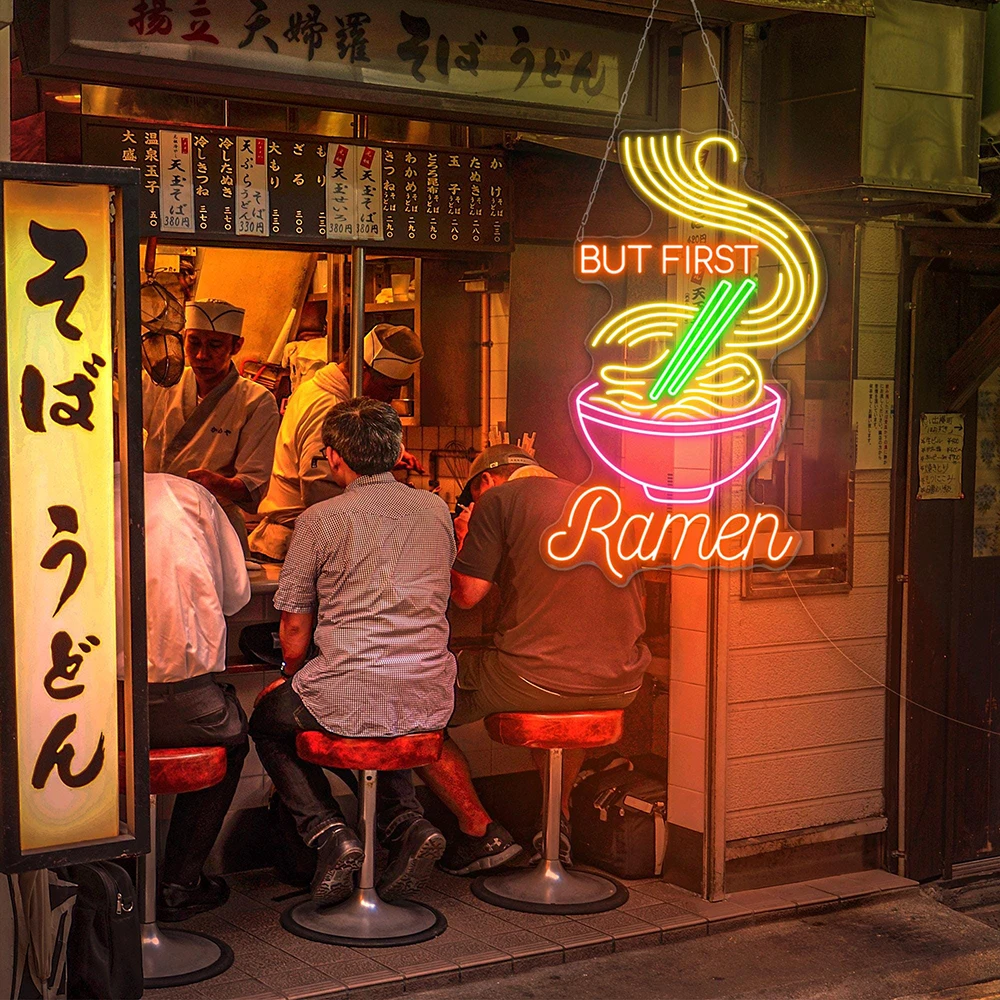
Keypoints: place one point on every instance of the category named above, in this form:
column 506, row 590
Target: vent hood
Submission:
column 881, row 110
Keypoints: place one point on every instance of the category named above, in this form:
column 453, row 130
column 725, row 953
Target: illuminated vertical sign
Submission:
column 688, row 376
column 57, row 251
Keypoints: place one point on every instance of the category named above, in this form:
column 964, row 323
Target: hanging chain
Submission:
column 617, row 121
column 715, row 70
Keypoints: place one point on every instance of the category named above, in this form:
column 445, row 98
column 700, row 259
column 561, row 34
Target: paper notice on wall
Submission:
column 939, row 459
column 341, row 192
column 251, row 187
column 874, row 422
column 176, row 186
column 368, row 178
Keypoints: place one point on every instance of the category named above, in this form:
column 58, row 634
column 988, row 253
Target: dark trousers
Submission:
column 304, row 787
column 197, row 713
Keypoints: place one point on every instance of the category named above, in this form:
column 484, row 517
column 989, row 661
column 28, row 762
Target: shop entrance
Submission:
column 949, row 586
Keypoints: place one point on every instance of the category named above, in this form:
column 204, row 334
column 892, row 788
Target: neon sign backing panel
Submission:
column 691, row 373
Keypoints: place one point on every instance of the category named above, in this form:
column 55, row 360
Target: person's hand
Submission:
column 461, row 524
column 216, row 484
column 409, row 463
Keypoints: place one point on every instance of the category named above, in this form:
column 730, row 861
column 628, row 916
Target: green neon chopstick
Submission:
column 709, row 308
column 715, row 317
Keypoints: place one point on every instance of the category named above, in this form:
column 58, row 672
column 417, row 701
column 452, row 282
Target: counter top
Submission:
column 265, row 579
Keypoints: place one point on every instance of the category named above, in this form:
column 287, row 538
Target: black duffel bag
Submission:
column 104, row 956
column 618, row 816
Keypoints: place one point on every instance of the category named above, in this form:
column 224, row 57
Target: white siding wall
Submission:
column 805, row 727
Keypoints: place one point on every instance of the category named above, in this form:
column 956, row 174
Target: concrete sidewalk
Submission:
column 906, row 945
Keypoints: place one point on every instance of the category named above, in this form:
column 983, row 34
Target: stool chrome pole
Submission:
column 548, row 887
column 365, row 920
column 172, row 957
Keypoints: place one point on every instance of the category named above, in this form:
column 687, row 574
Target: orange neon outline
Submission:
column 613, row 533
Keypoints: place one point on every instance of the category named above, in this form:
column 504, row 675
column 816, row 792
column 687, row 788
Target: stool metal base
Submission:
column 364, row 921
column 178, row 958
column 549, row 888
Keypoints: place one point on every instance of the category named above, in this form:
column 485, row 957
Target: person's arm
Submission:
column 296, row 597
column 235, row 581
column 479, row 553
column 255, row 455
column 223, row 488
column 295, row 632
column 468, row 591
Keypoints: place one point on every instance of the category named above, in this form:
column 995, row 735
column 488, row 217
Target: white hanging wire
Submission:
column 617, row 120
column 879, row 682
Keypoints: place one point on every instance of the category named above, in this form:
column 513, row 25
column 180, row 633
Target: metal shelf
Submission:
column 375, row 307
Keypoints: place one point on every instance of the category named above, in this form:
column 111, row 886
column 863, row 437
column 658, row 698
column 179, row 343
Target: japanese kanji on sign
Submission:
column 61, row 598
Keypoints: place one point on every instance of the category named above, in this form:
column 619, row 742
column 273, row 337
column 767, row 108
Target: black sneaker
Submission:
column 411, row 860
column 340, row 856
column 466, row 855
column 565, row 844
column 178, row 902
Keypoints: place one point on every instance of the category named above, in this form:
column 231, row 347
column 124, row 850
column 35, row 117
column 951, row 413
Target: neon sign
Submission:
column 686, row 376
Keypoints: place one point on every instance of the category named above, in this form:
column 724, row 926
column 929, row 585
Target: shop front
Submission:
column 450, row 192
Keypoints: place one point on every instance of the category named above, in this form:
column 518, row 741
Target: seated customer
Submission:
column 565, row 641
column 195, row 576
column 369, row 571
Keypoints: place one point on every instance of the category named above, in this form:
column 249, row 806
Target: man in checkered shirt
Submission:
column 367, row 579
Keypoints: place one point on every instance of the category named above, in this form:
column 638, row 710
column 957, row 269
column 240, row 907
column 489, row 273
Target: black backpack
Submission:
column 104, row 957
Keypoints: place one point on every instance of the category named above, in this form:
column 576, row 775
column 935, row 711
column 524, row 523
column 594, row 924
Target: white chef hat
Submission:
column 214, row 316
column 393, row 351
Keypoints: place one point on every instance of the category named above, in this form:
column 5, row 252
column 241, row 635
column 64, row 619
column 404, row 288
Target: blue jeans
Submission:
column 304, row 788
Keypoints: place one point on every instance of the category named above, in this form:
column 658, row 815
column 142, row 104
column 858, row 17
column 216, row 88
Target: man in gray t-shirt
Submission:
column 565, row 641
column 367, row 580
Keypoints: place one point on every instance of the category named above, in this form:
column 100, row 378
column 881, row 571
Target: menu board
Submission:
column 221, row 186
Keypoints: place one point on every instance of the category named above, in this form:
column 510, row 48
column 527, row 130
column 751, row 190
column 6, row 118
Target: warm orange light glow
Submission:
column 57, row 255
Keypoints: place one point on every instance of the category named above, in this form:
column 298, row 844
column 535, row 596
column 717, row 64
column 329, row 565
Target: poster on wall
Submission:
column 986, row 524
column 874, row 420
column 939, row 456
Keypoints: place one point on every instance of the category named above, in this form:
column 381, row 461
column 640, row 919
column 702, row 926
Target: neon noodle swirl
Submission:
column 729, row 379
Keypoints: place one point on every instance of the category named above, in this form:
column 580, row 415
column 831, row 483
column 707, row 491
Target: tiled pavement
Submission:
column 272, row 964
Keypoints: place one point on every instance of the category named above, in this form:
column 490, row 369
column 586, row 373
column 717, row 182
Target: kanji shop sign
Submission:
column 62, row 583
column 59, row 406
column 679, row 404
column 219, row 184
column 428, row 47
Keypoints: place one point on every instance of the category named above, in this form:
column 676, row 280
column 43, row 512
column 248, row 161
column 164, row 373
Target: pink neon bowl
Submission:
column 649, row 465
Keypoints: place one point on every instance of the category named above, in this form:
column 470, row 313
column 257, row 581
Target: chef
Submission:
column 301, row 474
column 213, row 426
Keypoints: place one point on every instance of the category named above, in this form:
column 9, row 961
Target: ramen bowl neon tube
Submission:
column 650, row 465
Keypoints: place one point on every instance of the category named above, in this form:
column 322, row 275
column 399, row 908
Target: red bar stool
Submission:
column 365, row 920
column 173, row 957
column 548, row 887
